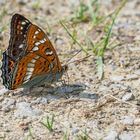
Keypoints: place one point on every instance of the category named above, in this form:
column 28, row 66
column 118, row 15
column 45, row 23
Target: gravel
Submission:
column 112, row 135
column 24, row 110
column 128, row 97
column 127, row 120
column 127, row 136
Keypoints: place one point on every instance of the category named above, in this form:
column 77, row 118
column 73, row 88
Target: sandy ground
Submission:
column 97, row 109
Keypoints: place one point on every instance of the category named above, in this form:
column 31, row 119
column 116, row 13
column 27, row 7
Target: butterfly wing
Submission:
column 34, row 69
column 17, row 44
column 33, row 56
column 7, row 68
column 16, row 49
column 39, row 44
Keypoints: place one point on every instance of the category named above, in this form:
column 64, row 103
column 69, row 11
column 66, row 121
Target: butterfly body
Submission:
column 30, row 59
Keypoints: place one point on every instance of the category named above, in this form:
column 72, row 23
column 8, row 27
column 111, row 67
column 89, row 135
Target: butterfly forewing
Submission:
column 17, row 45
column 39, row 43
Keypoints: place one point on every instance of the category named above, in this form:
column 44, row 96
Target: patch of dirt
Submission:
column 107, row 109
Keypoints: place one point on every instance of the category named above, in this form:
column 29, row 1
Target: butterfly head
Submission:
column 60, row 73
column 64, row 68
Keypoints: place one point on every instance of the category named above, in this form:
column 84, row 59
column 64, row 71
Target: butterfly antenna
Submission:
column 79, row 60
column 73, row 56
column 68, row 77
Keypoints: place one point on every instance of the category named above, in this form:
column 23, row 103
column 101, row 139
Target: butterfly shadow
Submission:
column 54, row 92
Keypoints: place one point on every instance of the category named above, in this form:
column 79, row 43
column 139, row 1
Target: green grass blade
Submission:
column 100, row 67
column 106, row 42
column 111, row 26
column 48, row 123
column 73, row 38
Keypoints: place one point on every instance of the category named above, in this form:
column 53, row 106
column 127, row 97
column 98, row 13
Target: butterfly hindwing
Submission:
column 8, row 66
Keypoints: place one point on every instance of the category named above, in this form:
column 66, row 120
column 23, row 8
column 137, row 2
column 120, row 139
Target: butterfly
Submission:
column 30, row 58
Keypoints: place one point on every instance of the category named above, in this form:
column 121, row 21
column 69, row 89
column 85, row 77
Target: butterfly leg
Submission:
column 64, row 89
column 25, row 91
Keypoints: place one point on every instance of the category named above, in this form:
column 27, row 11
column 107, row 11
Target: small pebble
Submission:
column 128, row 97
column 116, row 78
column 127, row 120
column 40, row 100
column 127, row 136
column 8, row 104
column 131, row 77
column 137, row 121
column 3, row 90
column 103, row 88
column 88, row 95
column 112, row 135
column 59, row 41
column 75, row 131
column 25, row 110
